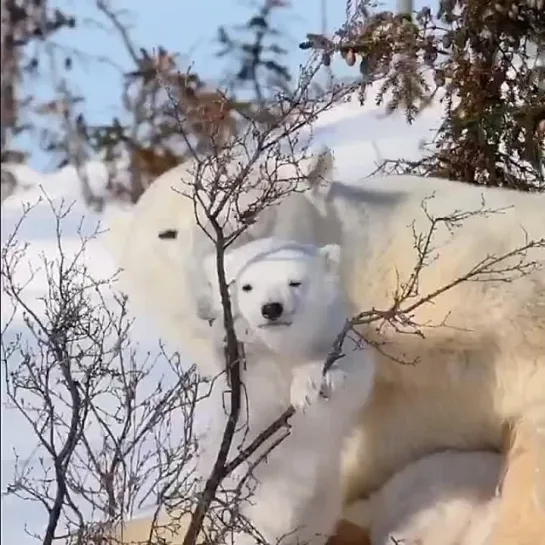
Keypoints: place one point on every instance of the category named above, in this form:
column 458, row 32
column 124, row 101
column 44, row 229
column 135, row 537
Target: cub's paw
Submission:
column 306, row 383
column 335, row 379
column 309, row 384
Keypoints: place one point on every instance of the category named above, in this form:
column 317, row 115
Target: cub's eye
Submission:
column 294, row 284
column 247, row 287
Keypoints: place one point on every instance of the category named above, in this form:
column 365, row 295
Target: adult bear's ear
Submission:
column 321, row 168
column 319, row 180
column 331, row 254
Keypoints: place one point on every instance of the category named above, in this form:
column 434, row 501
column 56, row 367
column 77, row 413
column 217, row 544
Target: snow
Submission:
column 57, row 184
column 360, row 138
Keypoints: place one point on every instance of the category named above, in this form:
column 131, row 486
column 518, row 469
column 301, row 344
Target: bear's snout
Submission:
column 272, row 311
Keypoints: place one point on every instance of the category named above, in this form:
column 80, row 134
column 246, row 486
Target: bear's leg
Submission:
column 298, row 496
column 521, row 519
column 276, row 510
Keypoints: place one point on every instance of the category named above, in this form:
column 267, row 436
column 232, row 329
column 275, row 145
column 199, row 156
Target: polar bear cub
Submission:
column 289, row 308
column 287, row 297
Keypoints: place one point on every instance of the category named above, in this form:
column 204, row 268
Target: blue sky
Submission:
column 188, row 27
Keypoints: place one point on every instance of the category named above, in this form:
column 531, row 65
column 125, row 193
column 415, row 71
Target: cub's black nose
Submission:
column 272, row 311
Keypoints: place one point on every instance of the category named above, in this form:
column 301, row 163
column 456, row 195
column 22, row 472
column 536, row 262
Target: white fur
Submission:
column 175, row 300
column 265, row 271
column 299, row 494
column 481, row 359
column 447, row 498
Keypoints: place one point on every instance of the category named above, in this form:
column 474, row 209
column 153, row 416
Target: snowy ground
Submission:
column 360, row 137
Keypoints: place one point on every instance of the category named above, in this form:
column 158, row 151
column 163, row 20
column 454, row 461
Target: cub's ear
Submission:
column 331, row 254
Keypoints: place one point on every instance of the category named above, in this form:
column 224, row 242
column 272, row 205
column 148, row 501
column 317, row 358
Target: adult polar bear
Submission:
column 481, row 359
